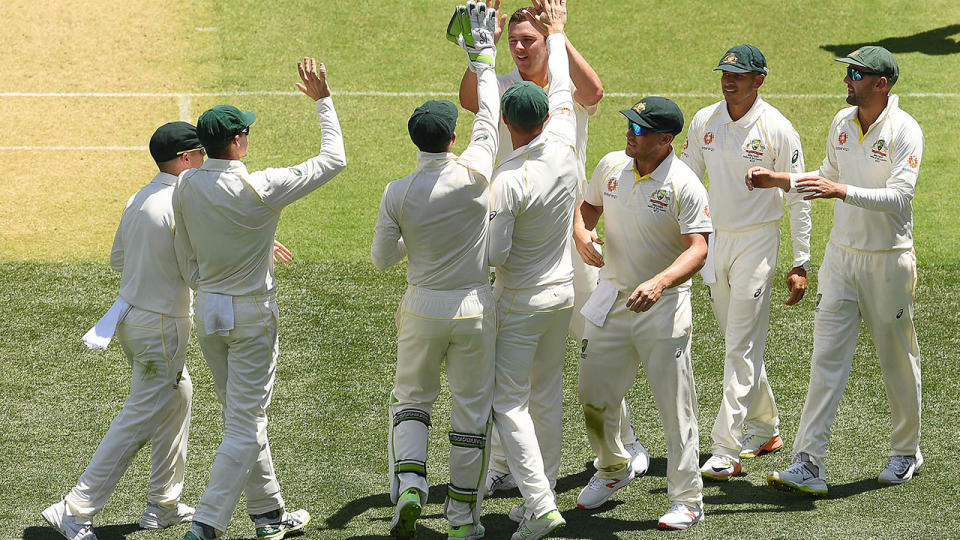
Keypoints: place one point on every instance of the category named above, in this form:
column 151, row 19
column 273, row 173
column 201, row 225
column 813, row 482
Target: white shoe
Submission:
column 900, row 469
column 639, row 457
column 720, row 468
column 159, row 517
column 680, row 517
column 599, row 489
column 541, row 527
column 499, row 481
column 517, row 513
column 65, row 523
column 278, row 523
column 757, row 445
column 802, row 476
column 465, row 532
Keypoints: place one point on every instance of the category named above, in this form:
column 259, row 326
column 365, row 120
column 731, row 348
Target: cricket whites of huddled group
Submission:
column 198, row 243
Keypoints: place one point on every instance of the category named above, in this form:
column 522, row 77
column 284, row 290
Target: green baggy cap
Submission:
column 525, row 104
column 172, row 139
column 432, row 125
column 743, row 59
column 656, row 113
column 876, row 59
column 219, row 125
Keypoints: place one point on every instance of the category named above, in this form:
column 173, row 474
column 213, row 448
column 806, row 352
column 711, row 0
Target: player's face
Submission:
column 859, row 91
column 646, row 146
column 528, row 48
column 740, row 87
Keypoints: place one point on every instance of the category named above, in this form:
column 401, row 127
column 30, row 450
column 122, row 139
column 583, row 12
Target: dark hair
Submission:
column 516, row 17
column 433, row 147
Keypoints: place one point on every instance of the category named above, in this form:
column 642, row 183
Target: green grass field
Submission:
column 328, row 418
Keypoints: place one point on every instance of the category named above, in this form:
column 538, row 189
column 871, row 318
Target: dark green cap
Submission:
column 219, row 125
column 743, row 59
column 432, row 124
column 656, row 113
column 525, row 104
column 172, row 139
column 876, row 59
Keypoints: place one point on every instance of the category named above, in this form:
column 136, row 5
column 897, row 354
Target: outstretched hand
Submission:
column 314, row 78
column 547, row 16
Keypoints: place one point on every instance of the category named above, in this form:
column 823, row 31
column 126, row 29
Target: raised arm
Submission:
column 281, row 186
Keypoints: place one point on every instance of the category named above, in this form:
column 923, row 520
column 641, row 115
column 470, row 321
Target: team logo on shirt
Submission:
column 842, row 138
column 583, row 350
column 706, row 210
column 612, row 183
column 879, row 151
column 708, row 138
column 659, row 201
column 913, row 162
column 753, row 151
column 686, row 143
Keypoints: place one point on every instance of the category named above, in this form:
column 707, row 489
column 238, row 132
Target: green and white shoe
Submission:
column 468, row 532
column 404, row 524
column 531, row 529
column 279, row 523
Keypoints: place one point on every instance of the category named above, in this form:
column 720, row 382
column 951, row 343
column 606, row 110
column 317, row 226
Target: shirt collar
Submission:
column 224, row 165
column 893, row 103
column 433, row 159
column 659, row 174
column 166, row 179
column 537, row 141
column 747, row 119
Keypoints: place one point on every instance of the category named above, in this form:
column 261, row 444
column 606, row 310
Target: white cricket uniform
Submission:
column 438, row 217
column 153, row 335
column 645, row 218
column 745, row 246
column 534, row 192
column 227, row 220
column 584, row 275
column 869, row 273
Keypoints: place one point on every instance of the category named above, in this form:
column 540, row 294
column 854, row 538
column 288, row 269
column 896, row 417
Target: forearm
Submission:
column 468, row 91
column 589, row 88
column 800, row 228
column 331, row 138
column 586, row 216
column 685, row 265
column 558, row 70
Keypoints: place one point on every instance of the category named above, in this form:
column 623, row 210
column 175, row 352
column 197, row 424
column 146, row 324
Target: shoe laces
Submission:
column 598, row 483
column 799, row 467
column 899, row 464
column 499, row 478
column 747, row 437
column 680, row 508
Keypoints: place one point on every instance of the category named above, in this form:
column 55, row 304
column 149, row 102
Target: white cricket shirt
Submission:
column 880, row 169
column 227, row 217
column 535, row 189
column 644, row 217
column 438, row 215
column 725, row 149
column 144, row 254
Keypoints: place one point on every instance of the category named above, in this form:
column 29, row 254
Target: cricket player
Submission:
column 725, row 140
column 869, row 271
column 438, row 218
column 657, row 225
column 528, row 49
column 227, row 218
column 151, row 319
column 535, row 189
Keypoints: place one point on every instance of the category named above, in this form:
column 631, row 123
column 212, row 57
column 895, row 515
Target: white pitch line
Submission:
column 364, row 93
column 82, row 148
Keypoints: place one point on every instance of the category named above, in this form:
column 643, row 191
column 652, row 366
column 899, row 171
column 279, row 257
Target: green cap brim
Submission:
column 248, row 118
column 734, row 69
column 851, row 61
column 634, row 116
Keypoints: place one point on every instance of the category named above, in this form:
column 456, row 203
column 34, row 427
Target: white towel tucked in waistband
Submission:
column 709, row 271
column 596, row 307
column 98, row 337
column 218, row 313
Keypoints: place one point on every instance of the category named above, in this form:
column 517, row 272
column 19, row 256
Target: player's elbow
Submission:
column 592, row 96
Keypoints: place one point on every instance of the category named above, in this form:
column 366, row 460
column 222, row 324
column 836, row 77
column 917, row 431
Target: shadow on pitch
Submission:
column 936, row 42
column 106, row 532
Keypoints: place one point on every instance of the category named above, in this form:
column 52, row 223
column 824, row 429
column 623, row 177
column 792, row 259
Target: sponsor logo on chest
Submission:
column 842, row 139
column 707, row 141
column 611, row 190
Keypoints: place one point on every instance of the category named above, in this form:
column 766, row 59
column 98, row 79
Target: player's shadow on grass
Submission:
column 936, row 42
column 105, row 532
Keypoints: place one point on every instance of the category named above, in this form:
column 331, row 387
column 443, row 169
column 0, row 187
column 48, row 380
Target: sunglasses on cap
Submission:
column 244, row 131
column 640, row 131
column 856, row 75
column 202, row 151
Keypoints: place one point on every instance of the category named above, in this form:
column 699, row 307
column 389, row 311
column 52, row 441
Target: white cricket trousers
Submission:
column 877, row 287
column 157, row 411
column 745, row 264
column 243, row 364
column 659, row 339
column 458, row 328
column 531, row 348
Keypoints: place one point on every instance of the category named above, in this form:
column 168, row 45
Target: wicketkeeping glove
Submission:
column 472, row 28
